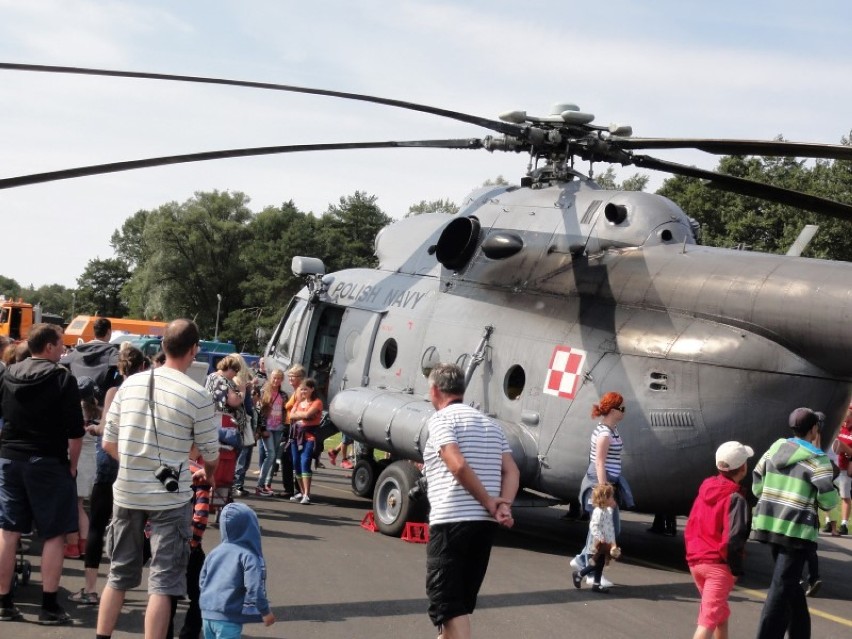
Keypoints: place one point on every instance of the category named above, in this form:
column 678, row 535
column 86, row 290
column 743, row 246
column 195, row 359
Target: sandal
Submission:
column 84, row 598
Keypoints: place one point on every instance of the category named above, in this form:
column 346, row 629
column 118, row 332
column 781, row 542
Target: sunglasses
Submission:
column 620, row 409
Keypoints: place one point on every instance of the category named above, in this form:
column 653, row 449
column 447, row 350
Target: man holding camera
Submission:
column 153, row 422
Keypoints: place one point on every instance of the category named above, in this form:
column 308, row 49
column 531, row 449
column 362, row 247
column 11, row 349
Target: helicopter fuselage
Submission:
column 557, row 295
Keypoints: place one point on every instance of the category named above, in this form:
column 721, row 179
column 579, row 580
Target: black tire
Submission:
column 364, row 476
column 392, row 507
column 26, row 573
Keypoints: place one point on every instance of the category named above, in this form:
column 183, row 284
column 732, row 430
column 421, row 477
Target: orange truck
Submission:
column 81, row 328
column 18, row 316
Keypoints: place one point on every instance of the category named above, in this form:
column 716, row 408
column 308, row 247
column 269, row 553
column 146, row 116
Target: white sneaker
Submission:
column 605, row 583
column 306, row 500
column 575, row 563
column 296, row 497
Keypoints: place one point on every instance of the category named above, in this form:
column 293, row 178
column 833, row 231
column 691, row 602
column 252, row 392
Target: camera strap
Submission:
column 151, row 409
column 154, row 420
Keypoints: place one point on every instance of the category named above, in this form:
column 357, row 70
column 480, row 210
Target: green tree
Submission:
column 635, row 182
column 732, row 220
column 435, row 206
column 498, row 181
column 276, row 235
column 53, row 298
column 99, row 288
column 191, row 253
column 129, row 241
column 348, row 231
column 9, row 287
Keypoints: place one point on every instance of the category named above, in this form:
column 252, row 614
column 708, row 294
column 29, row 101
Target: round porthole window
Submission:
column 514, row 383
column 388, row 353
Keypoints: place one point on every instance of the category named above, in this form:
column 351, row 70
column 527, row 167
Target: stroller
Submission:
column 230, row 440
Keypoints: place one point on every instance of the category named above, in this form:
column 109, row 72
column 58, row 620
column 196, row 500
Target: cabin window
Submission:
column 514, row 383
column 389, row 352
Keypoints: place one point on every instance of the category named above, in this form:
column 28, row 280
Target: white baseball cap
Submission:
column 732, row 455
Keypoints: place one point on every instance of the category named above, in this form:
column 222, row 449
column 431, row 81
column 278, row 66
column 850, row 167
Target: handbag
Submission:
column 248, row 436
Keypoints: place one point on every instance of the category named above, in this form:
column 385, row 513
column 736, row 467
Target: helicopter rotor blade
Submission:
column 751, row 188
column 114, row 167
column 494, row 125
column 775, row 148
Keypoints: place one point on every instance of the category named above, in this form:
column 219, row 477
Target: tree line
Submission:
column 176, row 260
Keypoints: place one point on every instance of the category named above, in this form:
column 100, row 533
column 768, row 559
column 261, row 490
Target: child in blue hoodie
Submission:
column 233, row 579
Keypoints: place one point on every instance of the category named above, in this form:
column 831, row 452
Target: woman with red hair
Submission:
column 604, row 465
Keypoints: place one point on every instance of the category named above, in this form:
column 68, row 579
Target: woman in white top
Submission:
column 605, row 452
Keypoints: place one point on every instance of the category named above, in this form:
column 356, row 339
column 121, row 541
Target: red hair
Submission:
column 609, row 402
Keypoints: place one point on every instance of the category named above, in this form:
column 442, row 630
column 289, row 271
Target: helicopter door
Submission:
column 284, row 344
column 351, row 366
column 324, row 328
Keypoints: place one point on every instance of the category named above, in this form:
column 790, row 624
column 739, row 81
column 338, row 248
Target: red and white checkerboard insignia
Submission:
column 565, row 372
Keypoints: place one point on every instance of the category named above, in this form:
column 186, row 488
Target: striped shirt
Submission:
column 482, row 442
column 184, row 415
column 613, row 454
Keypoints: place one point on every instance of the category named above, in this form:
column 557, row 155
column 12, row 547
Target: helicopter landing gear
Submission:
column 392, row 505
column 364, row 477
column 366, row 472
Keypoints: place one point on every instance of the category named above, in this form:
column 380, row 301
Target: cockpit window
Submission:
column 287, row 336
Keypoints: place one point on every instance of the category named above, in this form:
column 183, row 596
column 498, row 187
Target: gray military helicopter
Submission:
column 550, row 293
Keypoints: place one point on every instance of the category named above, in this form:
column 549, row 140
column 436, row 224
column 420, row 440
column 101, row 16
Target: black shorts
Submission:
column 38, row 491
column 456, row 560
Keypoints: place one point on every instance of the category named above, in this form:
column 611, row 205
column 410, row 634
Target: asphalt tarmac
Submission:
column 329, row 578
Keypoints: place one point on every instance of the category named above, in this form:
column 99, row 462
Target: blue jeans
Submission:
column 302, row 458
column 243, row 463
column 216, row 629
column 270, row 446
column 785, row 609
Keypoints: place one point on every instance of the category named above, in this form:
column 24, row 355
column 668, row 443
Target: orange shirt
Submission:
column 308, row 406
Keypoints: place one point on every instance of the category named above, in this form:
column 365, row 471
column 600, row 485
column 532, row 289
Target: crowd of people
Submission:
column 102, row 447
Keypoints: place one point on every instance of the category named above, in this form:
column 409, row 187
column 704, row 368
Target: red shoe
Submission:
column 332, row 457
column 72, row 551
column 347, row 465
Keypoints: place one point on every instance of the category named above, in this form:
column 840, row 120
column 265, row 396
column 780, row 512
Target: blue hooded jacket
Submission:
column 233, row 579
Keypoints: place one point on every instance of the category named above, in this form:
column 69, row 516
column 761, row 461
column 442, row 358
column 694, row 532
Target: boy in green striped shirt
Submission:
column 792, row 479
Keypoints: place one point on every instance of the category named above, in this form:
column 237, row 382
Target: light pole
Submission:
column 218, row 306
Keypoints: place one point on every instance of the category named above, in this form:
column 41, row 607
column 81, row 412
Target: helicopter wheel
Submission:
column 392, row 506
column 364, row 477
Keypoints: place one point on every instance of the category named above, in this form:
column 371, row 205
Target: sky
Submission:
column 668, row 68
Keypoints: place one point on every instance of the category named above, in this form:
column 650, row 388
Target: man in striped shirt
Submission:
column 153, row 422
column 472, row 481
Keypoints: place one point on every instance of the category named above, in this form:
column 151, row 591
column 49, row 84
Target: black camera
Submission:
column 168, row 477
column 420, row 490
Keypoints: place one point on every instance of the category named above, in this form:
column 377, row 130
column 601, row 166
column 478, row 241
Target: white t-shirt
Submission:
column 482, row 442
column 184, row 414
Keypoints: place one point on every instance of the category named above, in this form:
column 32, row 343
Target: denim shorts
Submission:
column 218, row 629
column 170, row 534
column 39, row 490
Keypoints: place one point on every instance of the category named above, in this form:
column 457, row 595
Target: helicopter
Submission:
column 549, row 293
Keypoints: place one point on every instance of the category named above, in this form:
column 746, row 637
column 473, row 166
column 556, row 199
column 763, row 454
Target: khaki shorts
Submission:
column 170, row 534
column 843, row 483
